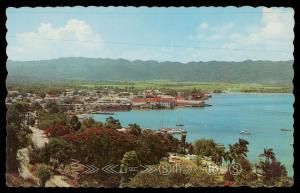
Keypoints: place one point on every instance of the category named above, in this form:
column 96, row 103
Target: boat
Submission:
column 291, row 143
column 172, row 130
column 106, row 113
column 207, row 105
column 286, row 129
column 103, row 113
column 245, row 132
column 179, row 123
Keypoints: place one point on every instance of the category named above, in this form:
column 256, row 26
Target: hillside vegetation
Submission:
column 88, row 69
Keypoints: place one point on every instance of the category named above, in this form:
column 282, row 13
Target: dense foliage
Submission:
column 87, row 69
column 44, row 173
column 102, row 144
column 47, row 120
column 17, row 133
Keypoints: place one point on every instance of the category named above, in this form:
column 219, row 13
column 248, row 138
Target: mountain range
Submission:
column 97, row 69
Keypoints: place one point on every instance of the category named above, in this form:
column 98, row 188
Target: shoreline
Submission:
column 262, row 93
column 194, row 133
column 185, row 107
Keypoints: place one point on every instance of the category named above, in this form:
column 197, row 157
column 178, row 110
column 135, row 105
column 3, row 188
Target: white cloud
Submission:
column 270, row 39
column 203, row 25
column 75, row 38
column 274, row 31
column 219, row 32
column 274, row 36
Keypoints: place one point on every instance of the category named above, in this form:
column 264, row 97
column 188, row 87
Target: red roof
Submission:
column 155, row 99
column 179, row 98
column 168, row 100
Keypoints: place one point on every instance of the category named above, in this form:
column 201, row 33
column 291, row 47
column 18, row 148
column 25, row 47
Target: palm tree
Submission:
column 268, row 154
column 228, row 157
column 242, row 148
column 218, row 155
column 236, row 151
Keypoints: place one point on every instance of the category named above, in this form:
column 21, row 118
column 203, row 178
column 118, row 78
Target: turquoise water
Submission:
column 261, row 114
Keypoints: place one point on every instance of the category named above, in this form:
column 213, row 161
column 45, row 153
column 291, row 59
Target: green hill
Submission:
column 89, row 69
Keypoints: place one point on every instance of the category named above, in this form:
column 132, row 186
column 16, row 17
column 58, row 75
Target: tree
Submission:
column 208, row 147
column 146, row 180
column 35, row 106
column 129, row 159
column 101, row 145
column 57, row 130
column 90, row 122
column 268, row 154
column 22, row 107
column 237, row 151
column 272, row 170
column 17, row 134
column 46, row 120
column 204, row 147
column 246, row 176
column 74, row 123
column 242, row 148
column 112, row 123
column 230, row 155
column 152, row 147
column 59, row 149
column 135, row 129
column 52, row 107
column 44, row 173
column 218, row 155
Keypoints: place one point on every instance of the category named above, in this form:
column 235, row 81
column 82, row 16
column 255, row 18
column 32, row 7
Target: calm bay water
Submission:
column 263, row 115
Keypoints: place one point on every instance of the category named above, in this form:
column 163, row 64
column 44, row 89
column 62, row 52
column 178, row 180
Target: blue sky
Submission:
column 163, row 34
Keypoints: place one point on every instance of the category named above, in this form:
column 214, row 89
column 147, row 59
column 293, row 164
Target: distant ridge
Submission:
column 96, row 69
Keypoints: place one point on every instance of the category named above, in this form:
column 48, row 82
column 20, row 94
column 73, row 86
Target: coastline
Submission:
column 262, row 93
column 215, row 128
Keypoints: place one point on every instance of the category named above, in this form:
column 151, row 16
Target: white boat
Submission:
column 245, row 132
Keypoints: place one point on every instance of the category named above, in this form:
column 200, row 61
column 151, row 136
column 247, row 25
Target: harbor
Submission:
column 224, row 122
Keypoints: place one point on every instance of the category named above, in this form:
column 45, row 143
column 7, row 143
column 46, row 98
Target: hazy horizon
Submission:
column 135, row 60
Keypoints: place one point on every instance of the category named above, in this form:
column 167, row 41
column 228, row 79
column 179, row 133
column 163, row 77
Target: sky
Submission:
column 162, row 34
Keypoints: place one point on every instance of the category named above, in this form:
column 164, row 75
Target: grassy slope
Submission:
column 181, row 86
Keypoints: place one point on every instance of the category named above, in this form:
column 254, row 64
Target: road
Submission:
column 57, row 181
column 38, row 137
column 23, row 158
column 39, row 140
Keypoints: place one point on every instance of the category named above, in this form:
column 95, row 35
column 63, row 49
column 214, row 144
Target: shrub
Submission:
column 57, row 130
